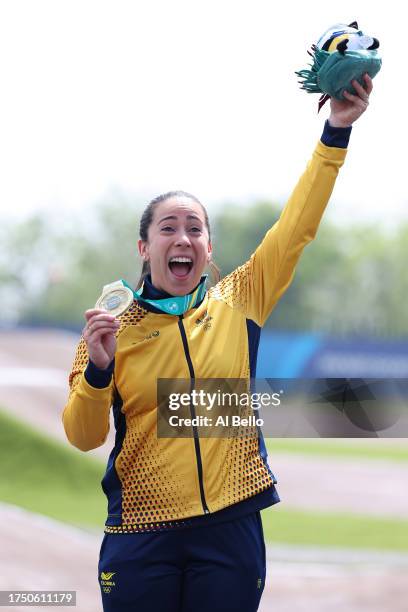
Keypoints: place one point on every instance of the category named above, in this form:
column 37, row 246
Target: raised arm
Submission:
column 257, row 285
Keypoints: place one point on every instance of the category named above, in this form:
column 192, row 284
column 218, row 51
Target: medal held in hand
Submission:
column 116, row 298
column 341, row 54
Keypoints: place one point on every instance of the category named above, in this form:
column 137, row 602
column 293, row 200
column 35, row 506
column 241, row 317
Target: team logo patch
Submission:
column 107, row 582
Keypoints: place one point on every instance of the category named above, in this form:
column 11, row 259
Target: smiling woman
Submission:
column 175, row 243
column 184, row 529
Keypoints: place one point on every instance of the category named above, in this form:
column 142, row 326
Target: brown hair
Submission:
column 147, row 218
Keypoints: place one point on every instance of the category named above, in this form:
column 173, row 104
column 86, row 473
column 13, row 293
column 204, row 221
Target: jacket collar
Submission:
column 159, row 301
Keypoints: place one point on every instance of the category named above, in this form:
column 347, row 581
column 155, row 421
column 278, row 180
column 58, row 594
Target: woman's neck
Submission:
column 152, row 293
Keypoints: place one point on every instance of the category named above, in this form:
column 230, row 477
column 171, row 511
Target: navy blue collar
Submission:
column 150, row 292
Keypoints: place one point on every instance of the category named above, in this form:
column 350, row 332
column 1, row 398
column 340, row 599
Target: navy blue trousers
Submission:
column 217, row 568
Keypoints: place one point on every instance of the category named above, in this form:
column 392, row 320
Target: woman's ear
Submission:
column 209, row 253
column 143, row 249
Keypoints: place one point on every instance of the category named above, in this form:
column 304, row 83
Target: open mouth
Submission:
column 181, row 266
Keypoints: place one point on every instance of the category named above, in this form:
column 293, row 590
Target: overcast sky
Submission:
column 142, row 97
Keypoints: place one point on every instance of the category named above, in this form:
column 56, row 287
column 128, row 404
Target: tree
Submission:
column 348, row 281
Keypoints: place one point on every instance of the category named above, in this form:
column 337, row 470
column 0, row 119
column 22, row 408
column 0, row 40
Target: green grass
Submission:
column 340, row 530
column 376, row 449
column 50, row 478
column 47, row 477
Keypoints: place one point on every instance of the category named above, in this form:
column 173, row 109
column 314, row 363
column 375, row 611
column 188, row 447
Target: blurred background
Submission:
column 105, row 105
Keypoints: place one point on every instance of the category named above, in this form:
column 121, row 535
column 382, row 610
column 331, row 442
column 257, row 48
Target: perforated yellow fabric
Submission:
column 153, row 491
column 233, row 288
column 132, row 316
column 79, row 365
column 243, row 472
column 154, row 483
column 256, row 286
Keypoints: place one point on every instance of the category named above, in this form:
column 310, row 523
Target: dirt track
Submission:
column 41, row 554
column 34, row 367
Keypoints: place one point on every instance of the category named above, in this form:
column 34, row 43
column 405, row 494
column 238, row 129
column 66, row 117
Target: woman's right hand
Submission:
column 99, row 334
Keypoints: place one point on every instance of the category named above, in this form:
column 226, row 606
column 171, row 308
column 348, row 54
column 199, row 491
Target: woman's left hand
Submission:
column 345, row 112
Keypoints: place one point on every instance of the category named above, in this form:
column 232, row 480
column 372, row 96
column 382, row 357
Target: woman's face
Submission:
column 178, row 247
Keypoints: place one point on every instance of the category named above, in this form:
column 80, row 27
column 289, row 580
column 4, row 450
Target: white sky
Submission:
column 142, row 97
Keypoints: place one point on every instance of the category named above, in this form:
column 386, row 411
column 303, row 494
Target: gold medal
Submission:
column 116, row 298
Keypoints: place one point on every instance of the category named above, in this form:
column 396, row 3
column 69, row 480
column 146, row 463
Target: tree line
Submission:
column 350, row 280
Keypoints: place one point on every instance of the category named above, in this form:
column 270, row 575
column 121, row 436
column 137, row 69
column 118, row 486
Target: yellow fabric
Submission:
column 159, row 477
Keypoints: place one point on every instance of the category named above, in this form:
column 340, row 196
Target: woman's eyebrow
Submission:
column 174, row 218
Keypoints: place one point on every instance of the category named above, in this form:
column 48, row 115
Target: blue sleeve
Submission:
column 335, row 136
column 97, row 378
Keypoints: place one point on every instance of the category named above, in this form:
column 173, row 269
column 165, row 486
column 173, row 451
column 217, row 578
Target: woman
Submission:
column 184, row 530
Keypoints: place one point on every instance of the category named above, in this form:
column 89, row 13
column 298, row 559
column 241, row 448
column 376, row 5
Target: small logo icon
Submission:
column 153, row 334
column 205, row 321
column 172, row 307
column 259, row 583
column 107, row 575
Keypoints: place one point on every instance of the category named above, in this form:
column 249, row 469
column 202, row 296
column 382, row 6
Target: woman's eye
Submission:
column 169, row 229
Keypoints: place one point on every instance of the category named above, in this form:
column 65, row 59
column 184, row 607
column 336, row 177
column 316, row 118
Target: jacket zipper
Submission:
column 193, row 414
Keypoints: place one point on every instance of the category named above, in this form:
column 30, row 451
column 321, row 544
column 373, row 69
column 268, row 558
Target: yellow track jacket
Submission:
column 150, row 481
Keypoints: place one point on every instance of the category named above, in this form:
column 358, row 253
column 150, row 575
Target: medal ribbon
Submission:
column 174, row 305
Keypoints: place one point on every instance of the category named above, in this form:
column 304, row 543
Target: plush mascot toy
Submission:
column 342, row 54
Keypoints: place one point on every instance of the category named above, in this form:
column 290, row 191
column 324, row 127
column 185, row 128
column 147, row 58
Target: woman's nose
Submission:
column 182, row 239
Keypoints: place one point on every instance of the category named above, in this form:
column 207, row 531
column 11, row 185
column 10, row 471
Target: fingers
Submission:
column 97, row 326
column 93, row 311
column 363, row 93
column 369, row 83
column 94, row 337
column 353, row 98
column 97, row 314
column 361, row 100
column 99, row 322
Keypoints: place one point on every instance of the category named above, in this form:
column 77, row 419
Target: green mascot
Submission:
column 342, row 53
